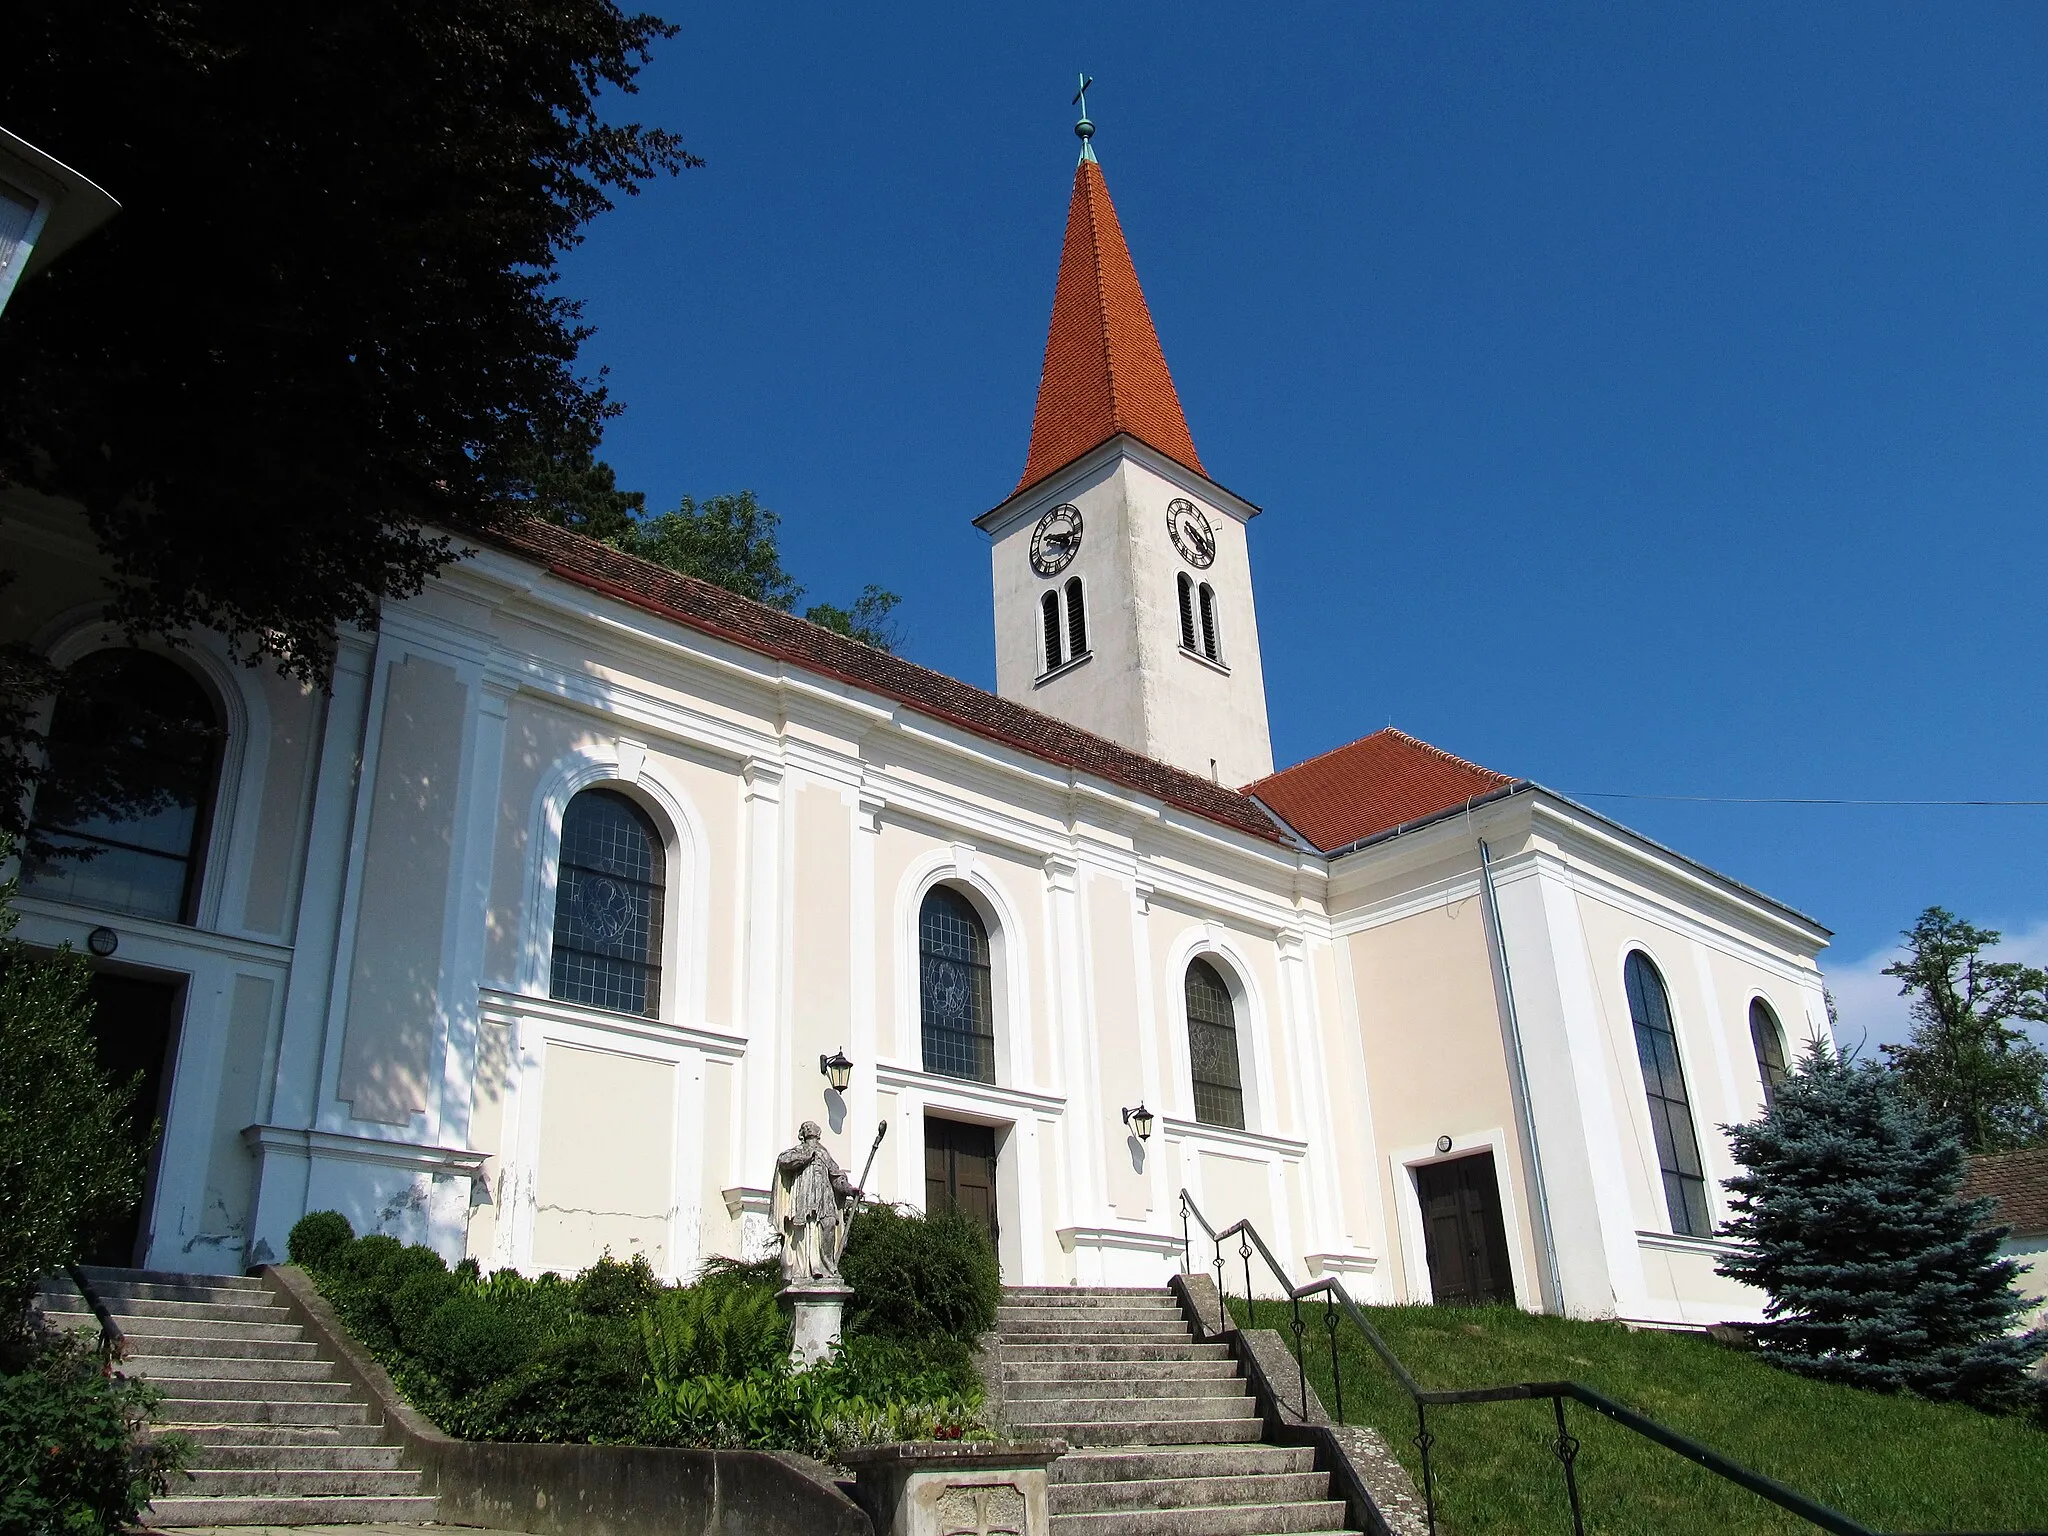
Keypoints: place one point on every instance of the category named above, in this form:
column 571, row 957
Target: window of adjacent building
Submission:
column 1678, row 1146
column 138, row 852
column 1212, row 1048
column 1077, row 619
column 1212, row 642
column 955, row 991
column 1187, row 612
column 1769, row 1043
column 608, row 904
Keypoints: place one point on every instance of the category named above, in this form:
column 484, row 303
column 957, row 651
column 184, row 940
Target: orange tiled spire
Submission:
column 1104, row 372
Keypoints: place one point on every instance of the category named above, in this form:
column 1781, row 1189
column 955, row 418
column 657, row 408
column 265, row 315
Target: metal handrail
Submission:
column 1566, row 1446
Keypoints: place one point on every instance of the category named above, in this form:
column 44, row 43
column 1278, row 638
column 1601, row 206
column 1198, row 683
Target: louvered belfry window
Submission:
column 1077, row 619
column 1678, row 1145
column 608, row 903
column 1212, row 1048
column 1212, row 645
column 1049, row 617
column 1187, row 613
column 955, row 995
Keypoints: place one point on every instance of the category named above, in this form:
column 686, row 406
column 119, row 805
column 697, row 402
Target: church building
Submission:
column 540, row 933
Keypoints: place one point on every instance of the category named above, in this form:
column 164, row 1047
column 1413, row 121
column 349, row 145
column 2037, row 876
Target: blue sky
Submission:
column 1642, row 397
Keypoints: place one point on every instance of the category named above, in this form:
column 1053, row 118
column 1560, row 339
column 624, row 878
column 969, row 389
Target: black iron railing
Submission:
column 1337, row 1304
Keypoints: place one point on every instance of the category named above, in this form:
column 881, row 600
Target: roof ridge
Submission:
column 1116, row 409
column 1386, row 730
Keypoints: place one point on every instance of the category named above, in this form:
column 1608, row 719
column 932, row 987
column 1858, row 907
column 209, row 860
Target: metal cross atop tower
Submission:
column 1084, row 130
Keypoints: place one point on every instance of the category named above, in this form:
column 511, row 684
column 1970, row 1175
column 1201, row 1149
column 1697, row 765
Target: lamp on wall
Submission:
column 837, row 1069
column 1140, row 1121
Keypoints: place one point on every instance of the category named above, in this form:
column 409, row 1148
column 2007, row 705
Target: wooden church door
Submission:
column 1467, row 1245
column 960, row 1170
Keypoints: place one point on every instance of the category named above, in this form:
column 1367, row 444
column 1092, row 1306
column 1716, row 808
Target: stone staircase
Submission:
column 280, row 1440
column 1164, row 1429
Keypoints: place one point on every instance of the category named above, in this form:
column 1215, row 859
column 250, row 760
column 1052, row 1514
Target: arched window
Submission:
column 1049, row 621
column 1077, row 619
column 1769, row 1043
column 1212, row 644
column 1212, row 1048
column 1678, row 1146
column 1187, row 612
column 954, row 990
column 133, row 752
column 608, row 906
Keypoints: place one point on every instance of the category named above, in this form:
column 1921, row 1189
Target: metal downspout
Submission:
column 1525, row 1111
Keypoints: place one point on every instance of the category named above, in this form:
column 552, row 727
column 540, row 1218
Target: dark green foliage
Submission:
column 613, row 1355
column 1877, row 1275
column 729, row 541
column 74, row 1457
column 917, row 1276
column 1967, row 1062
column 68, row 1159
column 317, row 1236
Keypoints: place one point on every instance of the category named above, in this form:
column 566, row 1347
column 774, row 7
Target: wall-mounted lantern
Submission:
column 1140, row 1121
column 837, row 1069
column 45, row 207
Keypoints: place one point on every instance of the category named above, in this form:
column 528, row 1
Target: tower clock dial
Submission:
column 1056, row 539
column 1191, row 533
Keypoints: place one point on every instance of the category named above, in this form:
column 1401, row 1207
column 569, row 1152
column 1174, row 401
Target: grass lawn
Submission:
column 1895, row 1463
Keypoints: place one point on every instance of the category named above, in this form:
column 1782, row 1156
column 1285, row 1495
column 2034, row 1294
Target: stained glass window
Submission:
column 1769, row 1044
column 608, row 906
column 138, row 852
column 1678, row 1146
column 954, row 988
column 1212, row 1048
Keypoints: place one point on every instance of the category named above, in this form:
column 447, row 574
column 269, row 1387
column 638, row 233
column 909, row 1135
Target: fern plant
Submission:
column 712, row 1330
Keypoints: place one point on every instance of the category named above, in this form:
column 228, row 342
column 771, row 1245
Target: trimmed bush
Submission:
column 74, row 1454
column 916, row 1276
column 317, row 1236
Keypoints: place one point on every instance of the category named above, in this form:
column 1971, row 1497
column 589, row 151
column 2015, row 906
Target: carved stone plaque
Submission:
column 991, row 1509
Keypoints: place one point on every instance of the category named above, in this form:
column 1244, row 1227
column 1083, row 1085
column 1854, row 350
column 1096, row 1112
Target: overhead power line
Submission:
column 1617, row 794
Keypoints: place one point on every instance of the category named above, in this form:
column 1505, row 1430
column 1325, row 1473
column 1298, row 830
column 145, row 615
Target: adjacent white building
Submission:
column 529, row 939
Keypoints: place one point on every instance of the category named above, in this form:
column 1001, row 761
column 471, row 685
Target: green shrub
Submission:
column 68, row 1154
column 317, row 1236
column 74, row 1453
column 713, row 1329
column 916, row 1276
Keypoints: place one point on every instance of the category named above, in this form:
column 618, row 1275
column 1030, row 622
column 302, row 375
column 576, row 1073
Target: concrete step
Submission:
column 234, row 1367
column 214, row 1436
column 200, row 1288
column 297, row 1458
column 100, row 1276
column 1083, row 1327
column 1154, row 1390
column 1107, row 1315
column 145, row 1345
column 1038, row 1352
column 1157, row 1410
column 1190, row 1492
column 1209, row 1520
column 1228, row 1431
column 227, row 1389
column 195, row 1311
column 1084, row 1291
column 297, row 1483
column 199, row 1410
column 1020, row 1372
column 207, row 1328
column 174, row 1512
column 1146, row 1462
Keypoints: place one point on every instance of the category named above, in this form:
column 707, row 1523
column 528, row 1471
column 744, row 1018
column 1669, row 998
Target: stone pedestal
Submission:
column 814, row 1312
column 956, row 1487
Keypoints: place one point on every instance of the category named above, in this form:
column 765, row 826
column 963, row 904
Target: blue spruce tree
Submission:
column 1877, row 1274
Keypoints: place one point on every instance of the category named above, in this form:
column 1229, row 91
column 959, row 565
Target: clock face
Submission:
column 1056, row 539
column 1191, row 533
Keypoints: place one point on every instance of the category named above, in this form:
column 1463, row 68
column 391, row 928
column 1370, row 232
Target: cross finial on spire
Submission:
column 1084, row 130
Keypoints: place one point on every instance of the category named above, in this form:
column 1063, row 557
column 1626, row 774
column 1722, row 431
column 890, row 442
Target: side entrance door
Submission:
column 1461, row 1225
column 135, row 1026
column 960, row 1170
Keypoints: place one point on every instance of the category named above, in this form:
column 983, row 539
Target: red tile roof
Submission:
column 770, row 632
column 2018, row 1181
column 1375, row 784
column 1104, row 371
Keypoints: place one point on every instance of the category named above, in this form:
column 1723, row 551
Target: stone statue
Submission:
column 811, row 1195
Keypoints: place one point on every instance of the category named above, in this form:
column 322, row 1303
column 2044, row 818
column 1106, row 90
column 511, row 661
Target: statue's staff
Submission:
column 861, row 1189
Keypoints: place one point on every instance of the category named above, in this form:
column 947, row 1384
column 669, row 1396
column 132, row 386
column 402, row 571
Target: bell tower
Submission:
column 1123, row 584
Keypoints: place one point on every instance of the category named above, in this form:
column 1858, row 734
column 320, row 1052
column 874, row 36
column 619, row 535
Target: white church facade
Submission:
column 538, row 934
